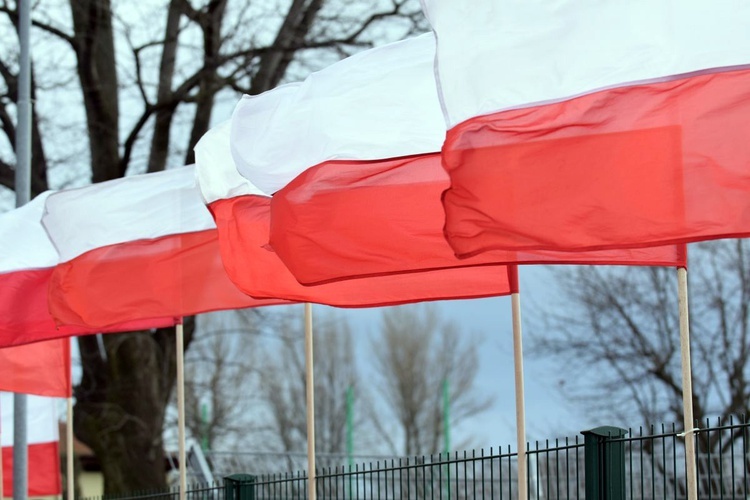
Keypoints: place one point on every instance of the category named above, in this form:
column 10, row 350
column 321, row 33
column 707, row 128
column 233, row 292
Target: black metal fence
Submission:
column 643, row 464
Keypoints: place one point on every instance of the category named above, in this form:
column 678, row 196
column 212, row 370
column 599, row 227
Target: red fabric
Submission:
column 244, row 224
column 25, row 316
column 345, row 219
column 649, row 164
column 42, row 368
column 44, row 470
column 177, row 275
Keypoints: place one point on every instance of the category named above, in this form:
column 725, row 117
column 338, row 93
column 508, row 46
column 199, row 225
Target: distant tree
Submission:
column 415, row 352
column 283, row 382
column 221, row 380
column 615, row 336
column 125, row 87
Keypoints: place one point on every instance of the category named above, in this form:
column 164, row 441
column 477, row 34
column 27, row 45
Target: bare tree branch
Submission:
column 160, row 140
column 13, row 15
column 415, row 353
column 623, row 324
column 7, row 175
column 210, row 22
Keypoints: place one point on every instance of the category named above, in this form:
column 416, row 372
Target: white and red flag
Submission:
column 135, row 248
column 366, row 197
column 27, row 263
column 580, row 125
column 243, row 217
column 42, row 439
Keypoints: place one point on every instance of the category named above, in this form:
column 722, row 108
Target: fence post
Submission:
column 239, row 487
column 605, row 463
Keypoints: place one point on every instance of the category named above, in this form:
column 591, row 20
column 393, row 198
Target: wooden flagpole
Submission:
column 310, row 392
column 687, row 385
column 70, row 472
column 180, row 341
column 1, row 468
column 515, row 298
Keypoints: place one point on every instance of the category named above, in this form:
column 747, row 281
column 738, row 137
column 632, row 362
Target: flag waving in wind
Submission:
column 365, row 201
column 243, row 217
column 135, row 248
column 28, row 261
column 583, row 125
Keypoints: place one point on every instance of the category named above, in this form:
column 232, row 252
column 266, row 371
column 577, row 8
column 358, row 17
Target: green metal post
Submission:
column 350, row 432
column 239, row 487
column 605, row 463
column 446, row 417
column 447, row 435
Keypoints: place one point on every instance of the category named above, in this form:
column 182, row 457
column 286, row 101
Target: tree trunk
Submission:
column 38, row 157
column 210, row 21
column 127, row 378
column 157, row 159
column 296, row 25
column 97, row 71
column 121, row 402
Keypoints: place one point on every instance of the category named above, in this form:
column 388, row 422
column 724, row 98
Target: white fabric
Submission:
column 41, row 418
column 130, row 209
column 215, row 171
column 23, row 242
column 380, row 103
column 493, row 56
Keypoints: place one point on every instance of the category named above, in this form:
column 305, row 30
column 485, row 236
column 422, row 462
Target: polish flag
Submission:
column 583, row 125
column 28, row 262
column 243, row 216
column 42, row 439
column 366, row 197
column 139, row 247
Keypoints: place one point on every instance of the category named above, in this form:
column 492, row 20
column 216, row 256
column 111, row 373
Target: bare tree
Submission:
column 144, row 78
column 221, row 380
column 616, row 334
column 282, row 384
column 415, row 354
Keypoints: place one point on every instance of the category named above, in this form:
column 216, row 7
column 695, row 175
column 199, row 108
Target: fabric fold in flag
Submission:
column 596, row 126
column 243, row 216
column 28, row 262
column 43, row 452
column 345, row 219
column 149, row 249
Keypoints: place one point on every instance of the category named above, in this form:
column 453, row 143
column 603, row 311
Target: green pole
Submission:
column 447, row 435
column 350, row 432
column 446, row 417
column 204, row 419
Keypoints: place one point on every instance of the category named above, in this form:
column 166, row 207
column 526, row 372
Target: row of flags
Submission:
column 562, row 132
